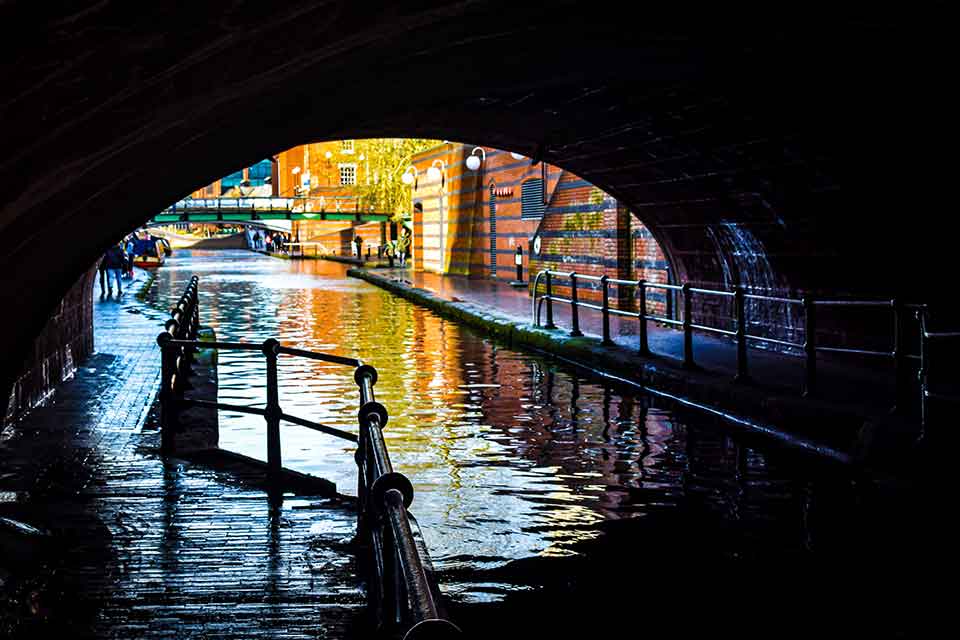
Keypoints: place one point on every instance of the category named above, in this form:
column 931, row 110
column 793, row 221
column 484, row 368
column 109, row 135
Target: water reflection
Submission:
column 511, row 456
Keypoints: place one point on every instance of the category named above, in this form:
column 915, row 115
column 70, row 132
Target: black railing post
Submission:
column 810, row 346
column 605, row 309
column 574, row 309
column 168, row 400
column 688, row 362
column 644, row 347
column 740, row 317
column 901, row 379
column 272, row 415
column 923, row 372
column 549, row 298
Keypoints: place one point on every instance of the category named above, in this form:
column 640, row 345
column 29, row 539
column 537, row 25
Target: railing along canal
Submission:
column 404, row 594
column 899, row 310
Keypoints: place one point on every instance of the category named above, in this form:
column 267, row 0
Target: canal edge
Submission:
column 832, row 432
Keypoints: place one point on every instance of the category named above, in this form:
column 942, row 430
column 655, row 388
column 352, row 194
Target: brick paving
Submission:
column 146, row 548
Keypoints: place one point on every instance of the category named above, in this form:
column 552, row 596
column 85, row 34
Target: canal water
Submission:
column 534, row 482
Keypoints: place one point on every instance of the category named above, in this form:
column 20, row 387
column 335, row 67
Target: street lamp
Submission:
column 473, row 160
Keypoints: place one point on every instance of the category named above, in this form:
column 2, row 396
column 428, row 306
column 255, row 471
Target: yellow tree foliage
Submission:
column 385, row 161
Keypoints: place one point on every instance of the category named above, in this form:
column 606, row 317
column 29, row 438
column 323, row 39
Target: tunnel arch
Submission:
column 680, row 118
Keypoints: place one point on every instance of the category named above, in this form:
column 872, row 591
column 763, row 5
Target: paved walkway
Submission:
column 857, row 380
column 143, row 548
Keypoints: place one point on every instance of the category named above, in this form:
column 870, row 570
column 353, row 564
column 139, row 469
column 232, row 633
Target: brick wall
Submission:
column 472, row 221
column 64, row 342
column 586, row 231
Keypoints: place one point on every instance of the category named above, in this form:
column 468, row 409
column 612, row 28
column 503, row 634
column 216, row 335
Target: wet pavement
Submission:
column 553, row 505
column 142, row 548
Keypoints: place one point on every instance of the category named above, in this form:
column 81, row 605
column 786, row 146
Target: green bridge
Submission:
column 247, row 210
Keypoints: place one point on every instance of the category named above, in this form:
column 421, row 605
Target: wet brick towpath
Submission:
column 862, row 380
column 142, row 547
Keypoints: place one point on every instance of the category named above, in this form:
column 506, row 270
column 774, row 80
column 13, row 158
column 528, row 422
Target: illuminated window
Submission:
column 346, row 146
column 348, row 174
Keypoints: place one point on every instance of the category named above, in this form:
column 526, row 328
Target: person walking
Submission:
column 358, row 241
column 129, row 249
column 102, row 269
column 403, row 243
column 114, row 260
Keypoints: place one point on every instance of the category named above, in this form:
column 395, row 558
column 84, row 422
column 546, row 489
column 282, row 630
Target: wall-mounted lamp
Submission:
column 410, row 175
column 517, row 156
column 295, row 170
column 473, row 160
column 328, row 155
column 434, row 173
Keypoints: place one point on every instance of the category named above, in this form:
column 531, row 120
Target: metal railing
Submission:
column 739, row 319
column 300, row 248
column 926, row 393
column 404, row 594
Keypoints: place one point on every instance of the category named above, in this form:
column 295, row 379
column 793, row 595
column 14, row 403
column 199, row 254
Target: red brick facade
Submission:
column 473, row 221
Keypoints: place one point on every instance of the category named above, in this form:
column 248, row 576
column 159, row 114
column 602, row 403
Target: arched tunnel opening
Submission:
column 719, row 174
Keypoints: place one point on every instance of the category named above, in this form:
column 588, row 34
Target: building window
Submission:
column 531, row 199
column 231, row 180
column 348, row 174
column 346, row 146
column 259, row 174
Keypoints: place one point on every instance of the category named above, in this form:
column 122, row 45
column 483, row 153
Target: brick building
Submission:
column 470, row 222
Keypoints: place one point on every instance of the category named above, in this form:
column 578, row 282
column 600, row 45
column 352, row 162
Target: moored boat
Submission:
column 149, row 253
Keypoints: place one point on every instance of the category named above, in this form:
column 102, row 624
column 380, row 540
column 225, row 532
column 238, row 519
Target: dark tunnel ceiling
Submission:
column 783, row 121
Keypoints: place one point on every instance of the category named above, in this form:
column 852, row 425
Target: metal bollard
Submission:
column 688, row 362
column 605, row 310
column 740, row 317
column 518, row 260
column 810, row 346
column 574, row 309
column 644, row 348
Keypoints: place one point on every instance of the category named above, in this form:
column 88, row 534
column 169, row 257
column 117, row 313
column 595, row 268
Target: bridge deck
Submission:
column 245, row 210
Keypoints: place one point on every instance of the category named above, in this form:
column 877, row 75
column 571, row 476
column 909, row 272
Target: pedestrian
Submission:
column 358, row 241
column 269, row 242
column 129, row 250
column 403, row 244
column 114, row 260
column 256, row 240
column 102, row 268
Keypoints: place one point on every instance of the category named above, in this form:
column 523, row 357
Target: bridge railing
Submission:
column 403, row 595
column 332, row 204
column 739, row 320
